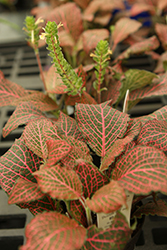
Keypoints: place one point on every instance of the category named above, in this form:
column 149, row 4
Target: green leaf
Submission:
column 108, row 198
column 59, row 183
column 25, row 191
column 52, row 230
column 101, row 125
column 142, row 170
column 151, row 208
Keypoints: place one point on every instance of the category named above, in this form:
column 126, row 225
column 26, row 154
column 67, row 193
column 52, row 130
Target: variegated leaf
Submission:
column 25, row 191
column 108, row 199
column 22, row 115
column 59, row 183
column 84, row 98
column 52, row 230
column 17, row 162
column 151, row 208
column 99, row 124
column 115, row 237
column 80, row 151
column 154, row 133
column 161, row 30
column 123, row 28
column 9, row 91
column 34, row 137
column 92, row 37
column 40, row 100
column 57, row 149
column 68, row 14
column 146, row 166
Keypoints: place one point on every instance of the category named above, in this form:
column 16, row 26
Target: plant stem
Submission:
column 40, row 69
column 87, row 211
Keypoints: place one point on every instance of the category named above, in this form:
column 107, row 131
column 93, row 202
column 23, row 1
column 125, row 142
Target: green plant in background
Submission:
column 51, row 168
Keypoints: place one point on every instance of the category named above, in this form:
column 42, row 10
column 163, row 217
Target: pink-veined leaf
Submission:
column 98, row 5
column 17, row 162
column 57, row 149
column 146, row 166
column 157, row 88
column 42, row 205
column 123, row 28
column 59, row 183
column 160, row 64
column 151, row 208
column 22, row 115
column 138, row 8
column 67, row 14
column 84, row 98
column 77, row 212
column 107, row 199
column 161, row 30
column 145, row 45
column 54, row 82
column 25, row 191
column 161, row 4
column 34, row 136
column 92, row 37
column 119, row 146
column 86, row 172
column 67, row 126
column 82, row 4
column 92, row 179
column 82, row 73
column 80, row 151
column 40, row 100
column 113, row 91
column 154, row 133
column 9, row 91
column 115, row 237
column 52, row 230
column 101, row 125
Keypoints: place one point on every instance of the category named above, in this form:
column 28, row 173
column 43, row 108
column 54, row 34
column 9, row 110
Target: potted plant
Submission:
column 83, row 177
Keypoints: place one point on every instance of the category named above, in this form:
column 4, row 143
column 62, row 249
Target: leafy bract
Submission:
column 108, row 199
column 151, row 208
column 142, row 170
column 123, row 28
column 34, row 137
column 59, row 183
column 25, row 191
column 101, row 125
column 22, row 115
column 52, row 230
column 9, row 91
column 17, row 162
column 113, row 238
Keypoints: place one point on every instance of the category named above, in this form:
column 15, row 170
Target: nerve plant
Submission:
column 51, row 169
